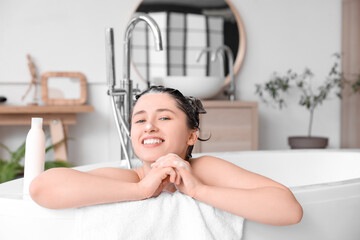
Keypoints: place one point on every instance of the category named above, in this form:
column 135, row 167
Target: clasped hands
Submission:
column 166, row 170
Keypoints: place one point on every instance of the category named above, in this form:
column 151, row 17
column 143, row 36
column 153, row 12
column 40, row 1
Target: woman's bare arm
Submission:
column 247, row 194
column 68, row 188
column 268, row 205
column 59, row 188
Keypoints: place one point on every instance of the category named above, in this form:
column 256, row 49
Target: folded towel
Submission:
column 216, row 39
column 177, row 44
column 196, row 40
column 168, row 216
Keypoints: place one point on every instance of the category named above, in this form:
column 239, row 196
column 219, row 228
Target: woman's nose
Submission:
column 150, row 127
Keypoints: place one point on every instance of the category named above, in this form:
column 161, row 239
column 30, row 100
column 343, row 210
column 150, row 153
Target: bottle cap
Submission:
column 36, row 122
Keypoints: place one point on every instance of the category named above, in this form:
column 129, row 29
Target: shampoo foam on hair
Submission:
column 34, row 153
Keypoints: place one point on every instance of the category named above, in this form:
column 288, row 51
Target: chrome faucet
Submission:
column 122, row 98
column 212, row 56
column 220, row 51
column 225, row 50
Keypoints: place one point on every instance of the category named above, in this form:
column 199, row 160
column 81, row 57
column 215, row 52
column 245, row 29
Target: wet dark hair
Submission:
column 191, row 106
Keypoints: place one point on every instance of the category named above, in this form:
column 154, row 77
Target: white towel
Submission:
column 216, row 37
column 168, row 216
column 195, row 41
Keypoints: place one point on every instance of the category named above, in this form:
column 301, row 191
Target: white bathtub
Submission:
column 325, row 182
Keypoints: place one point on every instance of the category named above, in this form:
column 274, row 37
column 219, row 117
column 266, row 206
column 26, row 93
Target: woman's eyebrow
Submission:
column 139, row 112
column 157, row 110
column 165, row 110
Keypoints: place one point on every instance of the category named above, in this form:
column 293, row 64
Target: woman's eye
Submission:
column 164, row 118
column 140, row 121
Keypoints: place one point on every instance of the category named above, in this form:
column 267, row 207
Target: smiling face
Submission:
column 158, row 127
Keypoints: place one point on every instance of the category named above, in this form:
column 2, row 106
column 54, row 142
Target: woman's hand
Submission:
column 185, row 181
column 155, row 181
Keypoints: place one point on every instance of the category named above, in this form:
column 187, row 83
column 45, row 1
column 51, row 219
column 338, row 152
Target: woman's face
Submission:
column 158, row 127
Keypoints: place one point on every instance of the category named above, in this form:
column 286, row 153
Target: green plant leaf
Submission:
column 356, row 85
column 2, row 162
column 5, row 147
column 9, row 171
column 273, row 90
column 56, row 144
column 12, row 168
column 54, row 164
column 18, row 154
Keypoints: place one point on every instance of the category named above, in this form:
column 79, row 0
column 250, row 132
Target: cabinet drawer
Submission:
column 231, row 126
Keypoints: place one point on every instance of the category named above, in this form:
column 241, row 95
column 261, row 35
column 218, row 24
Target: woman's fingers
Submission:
column 179, row 167
column 157, row 180
column 185, row 181
column 172, row 176
column 160, row 188
column 178, row 170
column 171, row 160
column 168, row 171
column 175, row 162
column 178, row 178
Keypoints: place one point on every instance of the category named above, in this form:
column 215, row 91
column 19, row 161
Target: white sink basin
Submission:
column 199, row 87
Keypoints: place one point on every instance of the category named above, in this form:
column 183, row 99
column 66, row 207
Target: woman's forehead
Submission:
column 155, row 100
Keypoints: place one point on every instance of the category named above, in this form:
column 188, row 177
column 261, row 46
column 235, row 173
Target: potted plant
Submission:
column 12, row 168
column 274, row 92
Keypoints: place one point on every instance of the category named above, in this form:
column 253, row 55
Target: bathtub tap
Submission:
column 122, row 98
column 127, row 83
column 212, row 56
column 225, row 50
column 221, row 51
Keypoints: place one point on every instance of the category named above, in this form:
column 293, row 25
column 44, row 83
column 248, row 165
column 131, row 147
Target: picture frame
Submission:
column 59, row 78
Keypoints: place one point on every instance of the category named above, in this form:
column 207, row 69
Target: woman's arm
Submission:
column 268, row 205
column 68, row 188
column 228, row 187
column 59, row 188
column 245, row 193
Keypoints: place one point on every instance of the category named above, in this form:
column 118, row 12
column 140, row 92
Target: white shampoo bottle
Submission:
column 34, row 154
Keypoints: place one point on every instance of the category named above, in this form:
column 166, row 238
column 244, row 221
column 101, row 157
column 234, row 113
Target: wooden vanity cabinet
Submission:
column 231, row 126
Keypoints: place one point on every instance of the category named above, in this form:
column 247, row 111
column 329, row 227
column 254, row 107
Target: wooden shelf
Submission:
column 9, row 109
column 57, row 117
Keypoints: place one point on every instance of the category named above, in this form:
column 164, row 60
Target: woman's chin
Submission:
column 147, row 161
column 150, row 159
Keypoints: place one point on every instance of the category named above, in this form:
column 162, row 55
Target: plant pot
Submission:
column 307, row 142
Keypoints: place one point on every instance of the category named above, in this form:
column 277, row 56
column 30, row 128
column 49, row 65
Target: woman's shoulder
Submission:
column 207, row 160
column 208, row 163
column 216, row 171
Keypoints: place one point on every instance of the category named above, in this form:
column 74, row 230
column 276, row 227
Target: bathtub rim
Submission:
column 136, row 163
column 302, row 192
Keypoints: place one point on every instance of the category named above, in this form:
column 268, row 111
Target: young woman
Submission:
column 164, row 129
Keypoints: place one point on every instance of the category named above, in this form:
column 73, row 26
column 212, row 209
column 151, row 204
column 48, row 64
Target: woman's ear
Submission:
column 194, row 135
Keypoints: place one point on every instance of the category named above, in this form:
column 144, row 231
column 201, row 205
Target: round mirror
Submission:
column 187, row 28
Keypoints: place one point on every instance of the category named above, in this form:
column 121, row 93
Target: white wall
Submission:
column 64, row 35
column 293, row 34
